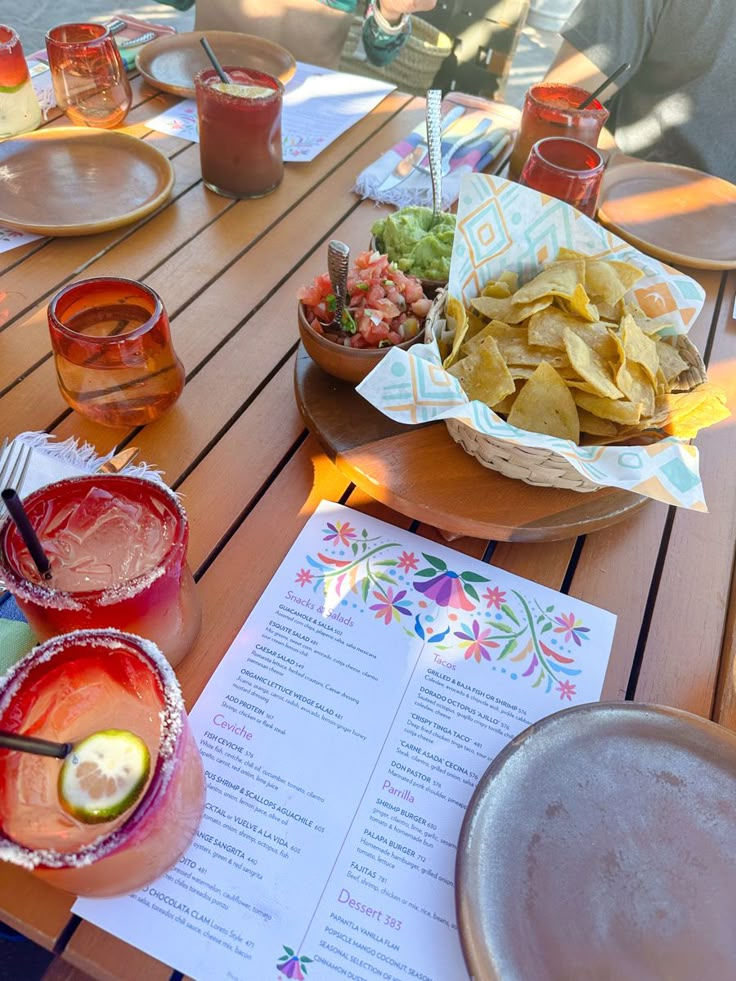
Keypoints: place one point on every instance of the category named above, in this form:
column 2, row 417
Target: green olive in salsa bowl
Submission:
column 384, row 308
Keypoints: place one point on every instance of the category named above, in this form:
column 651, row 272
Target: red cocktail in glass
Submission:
column 240, row 132
column 565, row 169
column 117, row 547
column 64, row 690
column 551, row 109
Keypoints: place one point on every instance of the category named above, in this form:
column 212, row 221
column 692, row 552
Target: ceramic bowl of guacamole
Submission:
column 416, row 245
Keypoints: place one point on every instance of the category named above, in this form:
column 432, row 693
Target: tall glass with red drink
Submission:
column 117, row 547
column 72, row 686
column 551, row 109
column 240, row 132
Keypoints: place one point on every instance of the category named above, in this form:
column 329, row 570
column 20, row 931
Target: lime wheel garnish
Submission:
column 103, row 775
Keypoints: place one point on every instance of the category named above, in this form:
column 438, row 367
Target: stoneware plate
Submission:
column 601, row 843
column 74, row 181
column 170, row 63
column 673, row 213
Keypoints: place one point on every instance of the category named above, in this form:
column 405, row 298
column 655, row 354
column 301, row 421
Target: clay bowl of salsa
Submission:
column 351, row 356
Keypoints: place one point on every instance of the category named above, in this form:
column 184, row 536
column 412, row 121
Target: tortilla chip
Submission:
column 596, row 425
column 495, row 329
column 558, row 279
column 456, row 312
column 484, row 375
column 618, row 410
column 638, row 347
column 590, row 366
column 496, row 289
column 579, row 304
column 689, row 412
column 544, row 405
column 511, row 279
column 505, row 310
column 607, row 281
column 633, row 380
column 670, row 363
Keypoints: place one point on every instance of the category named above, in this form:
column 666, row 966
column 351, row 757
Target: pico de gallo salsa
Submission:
column 383, row 307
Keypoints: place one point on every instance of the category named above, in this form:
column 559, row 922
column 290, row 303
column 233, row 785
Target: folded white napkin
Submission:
column 490, row 138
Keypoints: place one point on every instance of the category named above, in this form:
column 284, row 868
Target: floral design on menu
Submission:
column 460, row 612
column 291, row 965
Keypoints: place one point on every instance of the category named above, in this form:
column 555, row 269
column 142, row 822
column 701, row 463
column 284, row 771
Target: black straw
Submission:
column 611, row 78
column 31, row 744
column 18, row 513
column 215, row 63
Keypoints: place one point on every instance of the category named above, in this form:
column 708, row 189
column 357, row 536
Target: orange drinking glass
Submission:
column 114, row 358
column 87, row 72
column 551, row 109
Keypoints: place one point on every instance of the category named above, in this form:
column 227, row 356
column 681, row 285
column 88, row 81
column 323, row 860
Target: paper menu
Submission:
column 343, row 734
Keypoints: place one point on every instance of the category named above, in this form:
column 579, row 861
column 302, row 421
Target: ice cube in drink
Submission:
column 117, row 548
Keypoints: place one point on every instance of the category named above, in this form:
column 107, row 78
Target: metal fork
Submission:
column 16, row 458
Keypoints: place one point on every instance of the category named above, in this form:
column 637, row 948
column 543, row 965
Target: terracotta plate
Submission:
column 170, row 63
column 74, row 181
column 673, row 213
column 601, row 843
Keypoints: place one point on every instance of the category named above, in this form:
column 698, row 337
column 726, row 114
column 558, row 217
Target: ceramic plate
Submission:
column 75, row 181
column 673, row 213
column 170, row 63
column 601, row 843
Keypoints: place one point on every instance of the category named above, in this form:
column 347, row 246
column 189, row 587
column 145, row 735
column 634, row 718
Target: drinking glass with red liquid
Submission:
column 113, row 353
column 240, row 132
column 88, row 75
column 566, row 169
column 117, row 547
column 92, row 681
column 551, row 109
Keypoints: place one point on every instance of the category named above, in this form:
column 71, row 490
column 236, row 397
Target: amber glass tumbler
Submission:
column 114, row 358
column 87, row 72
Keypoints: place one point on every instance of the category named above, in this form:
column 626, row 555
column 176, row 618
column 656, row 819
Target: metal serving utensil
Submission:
column 338, row 259
column 434, row 142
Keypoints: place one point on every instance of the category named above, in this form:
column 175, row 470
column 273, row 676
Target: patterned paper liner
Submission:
column 172, row 725
column 503, row 226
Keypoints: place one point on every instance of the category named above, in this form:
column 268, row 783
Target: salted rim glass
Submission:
column 168, row 750
column 42, row 594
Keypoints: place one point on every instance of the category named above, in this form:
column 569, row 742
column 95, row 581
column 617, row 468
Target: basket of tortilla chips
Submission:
column 558, row 354
column 566, row 354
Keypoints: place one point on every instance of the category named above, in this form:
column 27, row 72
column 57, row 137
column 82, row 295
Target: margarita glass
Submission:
column 64, row 690
column 117, row 547
column 19, row 108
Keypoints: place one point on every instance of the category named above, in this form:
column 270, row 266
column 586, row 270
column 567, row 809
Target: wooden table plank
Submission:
column 685, row 634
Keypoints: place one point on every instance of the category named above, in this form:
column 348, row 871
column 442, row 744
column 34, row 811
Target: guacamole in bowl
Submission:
column 414, row 244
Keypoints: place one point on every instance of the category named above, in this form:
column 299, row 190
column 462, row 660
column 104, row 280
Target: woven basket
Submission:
column 413, row 69
column 541, row 467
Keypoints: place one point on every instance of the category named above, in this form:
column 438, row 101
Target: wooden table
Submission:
column 236, row 448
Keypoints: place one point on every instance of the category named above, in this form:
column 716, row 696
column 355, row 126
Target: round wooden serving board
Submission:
column 423, row 473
